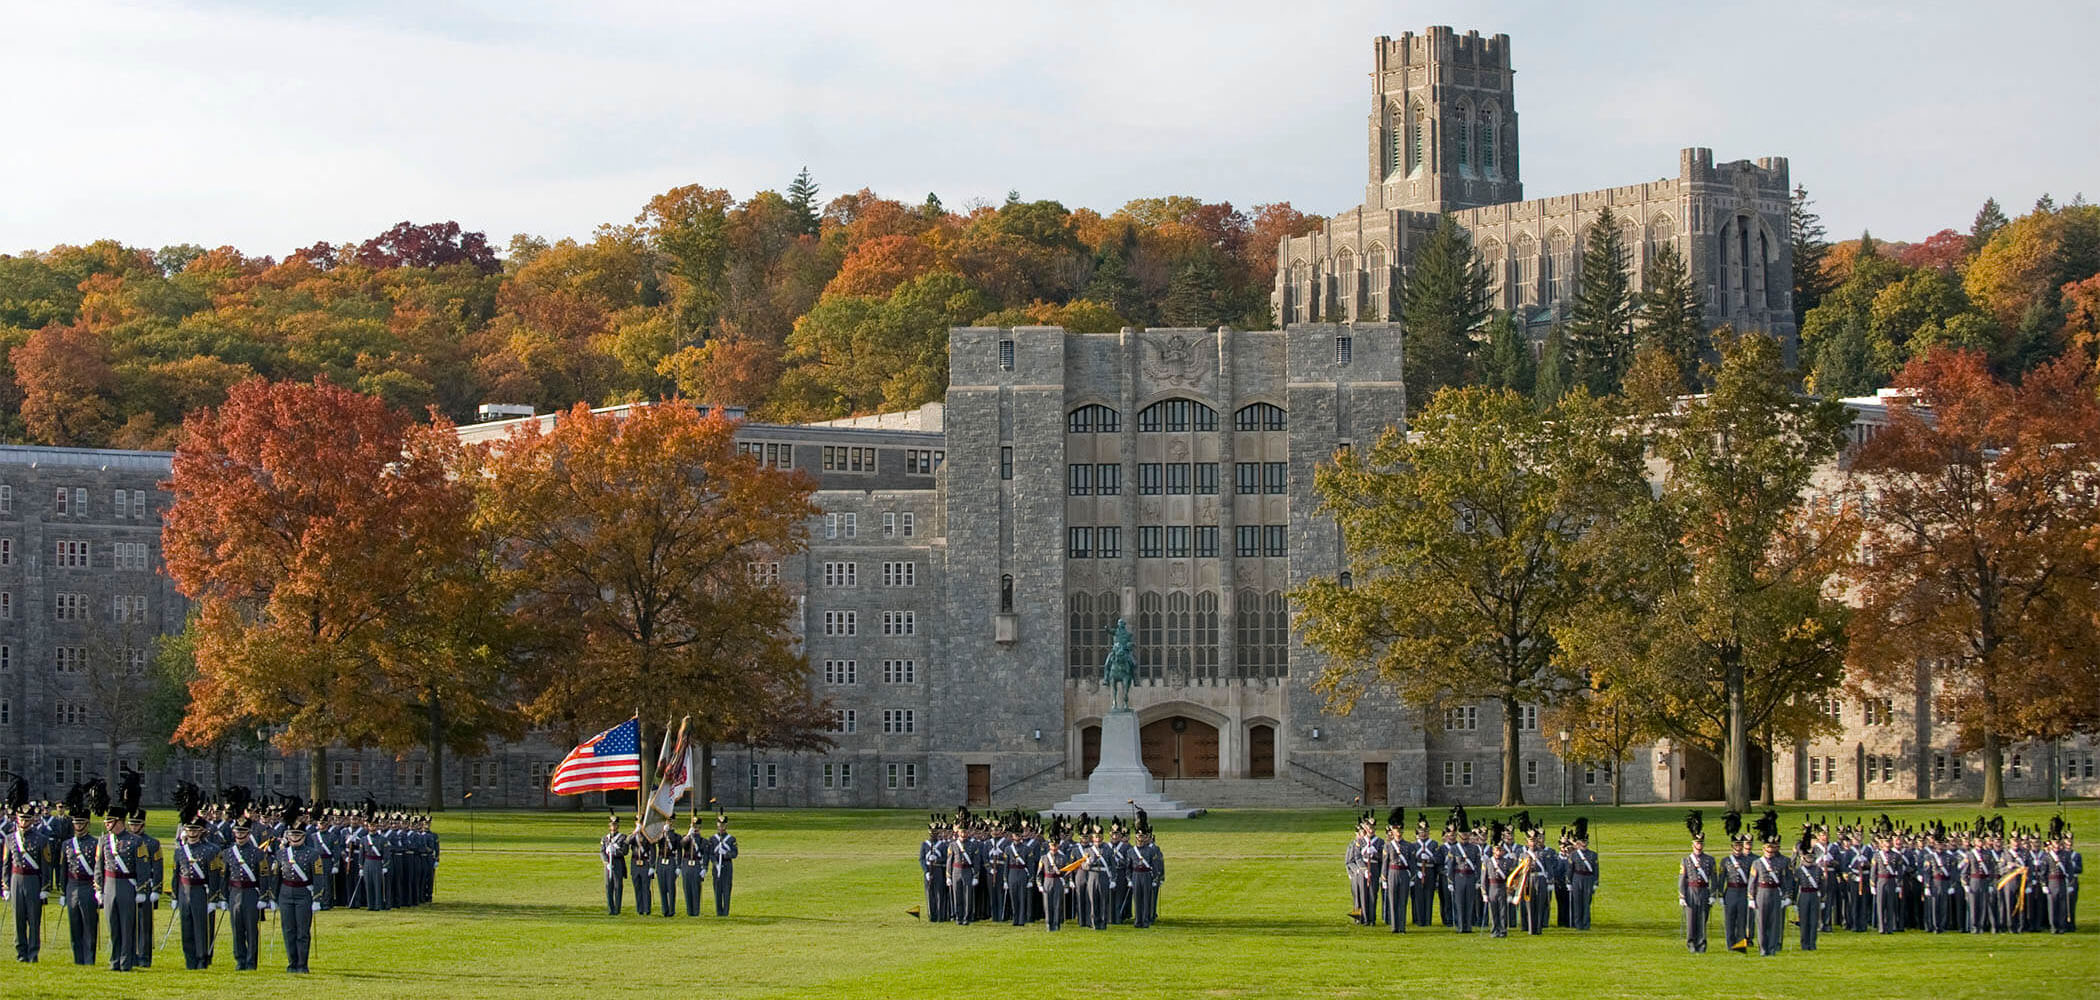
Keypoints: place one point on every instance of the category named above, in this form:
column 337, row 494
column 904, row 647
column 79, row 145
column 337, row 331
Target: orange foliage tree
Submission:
column 318, row 535
column 66, row 383
column 1980, row 550
column 631, row 541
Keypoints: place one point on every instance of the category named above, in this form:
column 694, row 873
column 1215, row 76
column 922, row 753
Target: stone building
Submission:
column 1442, row 138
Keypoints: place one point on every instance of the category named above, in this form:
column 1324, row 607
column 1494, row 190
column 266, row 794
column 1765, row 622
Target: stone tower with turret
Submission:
column 1443, row 126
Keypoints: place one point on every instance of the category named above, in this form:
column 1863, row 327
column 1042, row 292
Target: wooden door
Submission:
column 1374, row 783
column 1261, row 752
column 1156, row 745
column 980, row 779
column 1199, row 750
column 1089, row 750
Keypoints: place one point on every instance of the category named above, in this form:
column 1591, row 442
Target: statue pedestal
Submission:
column 1121, row 779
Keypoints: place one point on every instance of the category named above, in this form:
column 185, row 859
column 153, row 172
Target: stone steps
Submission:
column 1200, row 793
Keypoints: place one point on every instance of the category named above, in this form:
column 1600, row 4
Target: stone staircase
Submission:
column 1199, row 793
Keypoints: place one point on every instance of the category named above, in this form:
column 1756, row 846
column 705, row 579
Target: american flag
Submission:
column 611, row 759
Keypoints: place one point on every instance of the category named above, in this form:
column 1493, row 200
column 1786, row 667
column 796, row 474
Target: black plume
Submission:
column 237, row 799
column 189, row 800
column 1732, row 822
column 1695, row 821
column 130, row 789
column 1582, row 828
column 98, row 796
column 17, row 792
column 1397, row 819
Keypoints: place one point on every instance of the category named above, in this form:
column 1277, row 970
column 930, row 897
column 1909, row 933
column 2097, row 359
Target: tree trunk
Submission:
column 317, row 774
column 1993, row 771
column 1618, row 764
column 434, row 799
column 1735, row 766
column 1512, row 792
column 1771, row 769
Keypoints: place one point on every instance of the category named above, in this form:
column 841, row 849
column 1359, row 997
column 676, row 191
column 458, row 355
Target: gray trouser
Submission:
column 23, row 890
column 193, row 909
column 693, row 876
column 1810, row 904
column 295, row 918
column 615, row 891
column 83, row 919
column 1018, row 903
column 244, row 921
column 372, row 883
column 1498, row 910
column 641, row 890
column 1698, row 911
column 1888, row 904
column 1736, row 927
column 1771, row 920
column 1144, row 895
column 961, row 898
column 1393, row 903
column 1581, row 889
column 667, row 888
column 1463, row 901
column 1054, row 901
column 725, row 877
column 121, row 899
column 142, row 930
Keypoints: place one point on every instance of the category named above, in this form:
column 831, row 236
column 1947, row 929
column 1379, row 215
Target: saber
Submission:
column 174, row 910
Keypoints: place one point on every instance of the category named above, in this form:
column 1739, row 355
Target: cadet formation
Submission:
column 1879, row 877
column 235, row 863
column 1489, row 876
column 670, row 863
column 1016, row 869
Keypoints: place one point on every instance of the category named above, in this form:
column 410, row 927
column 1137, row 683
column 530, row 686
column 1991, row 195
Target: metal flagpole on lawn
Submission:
column 641, row 770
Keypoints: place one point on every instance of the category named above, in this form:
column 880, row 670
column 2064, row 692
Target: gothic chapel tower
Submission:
column 1443, row 123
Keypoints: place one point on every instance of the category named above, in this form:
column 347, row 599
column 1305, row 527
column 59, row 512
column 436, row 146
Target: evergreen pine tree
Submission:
column 1844, row 365
column 1442, row 305
column 1600, row 324
column 2045, row 205
column 1672, row 318
column 1507, row 361
column 802, row 197
column 1868, row 248
column 932, row 208
column 1192, row 297
column 1552, row 379
column 1989, row 219
column 1113, row 284
column 1811, row 248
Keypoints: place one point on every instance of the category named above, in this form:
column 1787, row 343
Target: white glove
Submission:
column 141, row 897
column 261, row 905
column 155, row 897
column 316, row 906
column 43, row 897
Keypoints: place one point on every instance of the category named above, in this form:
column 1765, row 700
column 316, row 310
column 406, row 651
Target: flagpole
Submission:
column 692, row 777
column 641, row 789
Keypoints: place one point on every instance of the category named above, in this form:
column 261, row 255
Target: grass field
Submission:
column 1254, row 906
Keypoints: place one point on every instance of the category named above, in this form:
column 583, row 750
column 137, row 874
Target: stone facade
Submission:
column 1443, row 139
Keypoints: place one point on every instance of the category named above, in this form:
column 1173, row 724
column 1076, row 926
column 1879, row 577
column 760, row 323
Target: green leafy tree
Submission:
column 1552, row 378
column 861, row 354
column 1672, row 318
column 1467, row 542
column 1444, row 303
column 1989, row 219
column 1720, row 618
column 1600, row 322
column 802, row 199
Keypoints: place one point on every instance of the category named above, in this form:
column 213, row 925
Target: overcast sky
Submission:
column 269, row 126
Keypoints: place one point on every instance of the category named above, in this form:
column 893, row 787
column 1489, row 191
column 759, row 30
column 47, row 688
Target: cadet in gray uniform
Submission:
column 152, row 870
column 1696, row 876
column 199, row 875
column 1051, row 875
column 641, row 857
column 1773, row 880
column 296, row 866
column 1736, row 926
column 1360, row 864
column 1395, row 873
column 82, row 868
column 1494, row 885
column 721, row 862
column 245, row 868
column 1462, row 862
column 1889, row 871
column 1808, row 888
column 666, row 851
column 934, row 875
column 612, row 853
column 961, row 865
column 692, row 865
column 1148, row 871
column 29, row 860
column 121, row 856
column 1581, row 864
column 1019, row 874
column 373, row 856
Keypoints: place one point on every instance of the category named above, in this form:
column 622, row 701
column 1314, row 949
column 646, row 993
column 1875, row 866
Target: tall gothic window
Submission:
column 1419, row 142
column 1345, row 280
column 1396, row 140
column 1560, row 261
column 1491, row 259
column 1206, row 635
column 1178, row 638
column 1374, row 270
column 1465, row 148
column 1487, row 141
column 1526, row 255
column 1150, row 634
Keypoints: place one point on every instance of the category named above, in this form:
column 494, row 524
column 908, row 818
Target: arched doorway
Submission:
column 1261, row 751
column 1089, row 750
column 1180, row 747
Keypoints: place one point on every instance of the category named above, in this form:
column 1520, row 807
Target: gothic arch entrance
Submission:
column 1179, row 747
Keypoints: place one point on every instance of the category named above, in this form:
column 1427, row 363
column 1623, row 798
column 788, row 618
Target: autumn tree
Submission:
column 1604, row 722
column 1717, row 617
column 431, row 245
column 308, row 525
column 630, row 541
column 66, row 382
column 861, row 354
column 1467, row 542
column 1442, row 307
column 1978, row 550
column 1600, row 320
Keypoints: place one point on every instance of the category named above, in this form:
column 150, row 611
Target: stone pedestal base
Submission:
column 1120, row 784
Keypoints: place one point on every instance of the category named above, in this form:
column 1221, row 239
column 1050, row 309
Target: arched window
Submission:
column 1345, row 281
column 1178, row 638
column 1276, row 638
column 1176, row 415
column 1206, row 635
column 1261, row 417
column 1246, row 634
column 1497, row 271
column 1486, row 139
column 1396, row 139
column 1418, row 143
column 1093, row 418
column 1080, row 634
column 1526, row 256
column 1462, row 136
column 1560, row 265
column 1300, row 288
column 1375, row 272
column 1662, row 232
column 1150, row 633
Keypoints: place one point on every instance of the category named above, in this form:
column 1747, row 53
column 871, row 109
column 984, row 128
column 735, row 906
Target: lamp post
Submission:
column 1567, row 770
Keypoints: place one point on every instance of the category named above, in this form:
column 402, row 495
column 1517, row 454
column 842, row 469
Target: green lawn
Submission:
column 1254, row 906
